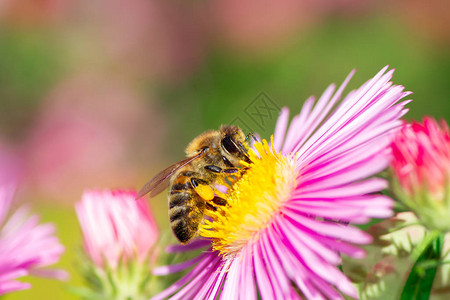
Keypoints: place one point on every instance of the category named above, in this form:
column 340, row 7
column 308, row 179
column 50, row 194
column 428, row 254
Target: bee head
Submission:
column 233, row 144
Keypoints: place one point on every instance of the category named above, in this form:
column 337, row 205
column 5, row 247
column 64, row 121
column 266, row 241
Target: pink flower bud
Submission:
column 421, row 170
column 422, row 156
column 115, row 226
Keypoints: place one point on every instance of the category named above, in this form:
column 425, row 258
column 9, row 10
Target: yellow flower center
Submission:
column 252, row 201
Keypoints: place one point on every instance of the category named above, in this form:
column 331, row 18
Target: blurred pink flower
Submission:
column 251, row 24
column 156, row 38
column 422, row 156
column 92, row 128
column 115, row 226
column 11, row 164
column 33, row 12
column 25, row 246
column 344, row 7
column 428, row 18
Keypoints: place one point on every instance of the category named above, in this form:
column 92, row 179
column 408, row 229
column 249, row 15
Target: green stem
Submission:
column 421, row 277
column 428, row 239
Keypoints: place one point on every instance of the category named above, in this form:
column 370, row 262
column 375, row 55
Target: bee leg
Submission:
column 214, row 169
column 215, row 204
column 230, row 170
column 219, row 201
column 211, row 207
column 206, row 192
column 217, row 169
column 197, row 181
column 203, row 189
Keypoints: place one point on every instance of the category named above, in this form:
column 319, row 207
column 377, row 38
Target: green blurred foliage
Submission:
column 229, row 81
column 29, row 66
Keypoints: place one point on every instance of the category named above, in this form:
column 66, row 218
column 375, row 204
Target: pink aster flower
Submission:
column 421, row 169
column 25, row 246
column 115, row 227
column 119, row 237
column 289, row 217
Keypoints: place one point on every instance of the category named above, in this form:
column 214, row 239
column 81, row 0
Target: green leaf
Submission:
column 420, row 279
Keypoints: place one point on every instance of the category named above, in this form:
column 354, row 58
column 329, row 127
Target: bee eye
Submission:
column 229, row 145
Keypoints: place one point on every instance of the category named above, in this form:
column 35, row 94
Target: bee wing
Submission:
column 160, row 182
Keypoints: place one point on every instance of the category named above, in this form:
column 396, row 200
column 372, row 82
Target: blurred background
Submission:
column 104, row 94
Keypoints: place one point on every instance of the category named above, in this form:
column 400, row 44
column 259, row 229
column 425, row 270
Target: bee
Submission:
column 212, row 155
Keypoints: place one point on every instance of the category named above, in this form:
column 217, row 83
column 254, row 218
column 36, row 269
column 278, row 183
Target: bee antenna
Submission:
column 251, row 134
column 244, row 151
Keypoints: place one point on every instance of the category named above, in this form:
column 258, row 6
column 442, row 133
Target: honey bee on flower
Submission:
column 212, row 157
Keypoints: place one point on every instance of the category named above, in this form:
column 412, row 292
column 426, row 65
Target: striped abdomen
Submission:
column 186, row 207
